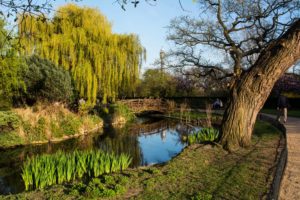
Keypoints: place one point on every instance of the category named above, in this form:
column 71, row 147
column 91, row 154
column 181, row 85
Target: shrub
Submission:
column 45, row 81
column 9, row 121
column 122, row 110
column 10, row 139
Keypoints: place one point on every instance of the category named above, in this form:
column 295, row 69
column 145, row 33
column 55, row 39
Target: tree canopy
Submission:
column 157, row 83
column 81, row 40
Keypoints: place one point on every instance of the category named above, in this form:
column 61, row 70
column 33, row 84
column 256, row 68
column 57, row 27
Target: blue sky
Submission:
column 147, row 21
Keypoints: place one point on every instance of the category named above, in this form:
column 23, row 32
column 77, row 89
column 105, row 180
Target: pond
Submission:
column 148, row 141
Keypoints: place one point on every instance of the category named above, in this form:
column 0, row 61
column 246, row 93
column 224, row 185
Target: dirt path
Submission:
column 290, row 185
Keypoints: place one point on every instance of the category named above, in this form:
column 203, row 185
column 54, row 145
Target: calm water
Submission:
column 148, row 141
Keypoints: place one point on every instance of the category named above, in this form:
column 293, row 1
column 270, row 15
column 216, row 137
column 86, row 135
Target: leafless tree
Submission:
column 237, row 29
column 260, row 40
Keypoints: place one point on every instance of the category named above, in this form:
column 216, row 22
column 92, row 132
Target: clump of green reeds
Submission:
column 204, row 135
column 45, row 170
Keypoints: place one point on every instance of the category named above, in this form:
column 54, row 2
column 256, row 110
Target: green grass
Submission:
column 291, row 113
column 199, row 172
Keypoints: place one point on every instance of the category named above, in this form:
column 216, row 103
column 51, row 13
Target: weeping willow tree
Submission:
column 81, row 40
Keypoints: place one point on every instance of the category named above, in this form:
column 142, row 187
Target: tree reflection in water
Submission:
column 148, row 141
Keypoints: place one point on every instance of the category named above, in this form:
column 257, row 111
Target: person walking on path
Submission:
column 282, row 106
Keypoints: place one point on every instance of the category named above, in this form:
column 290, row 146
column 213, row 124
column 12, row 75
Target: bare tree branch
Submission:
column 240, row 29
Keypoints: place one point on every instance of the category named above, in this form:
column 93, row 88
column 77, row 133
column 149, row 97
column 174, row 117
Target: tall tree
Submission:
column 13, row 9
column 11, row 68
column 81, row 40
column 260, row 40
column 157, row 83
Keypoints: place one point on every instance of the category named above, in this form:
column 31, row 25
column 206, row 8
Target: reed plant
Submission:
column 45, row 170
column 171, row 106
column 204, row 135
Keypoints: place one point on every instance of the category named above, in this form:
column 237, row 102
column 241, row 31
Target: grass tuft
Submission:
column 203, row 136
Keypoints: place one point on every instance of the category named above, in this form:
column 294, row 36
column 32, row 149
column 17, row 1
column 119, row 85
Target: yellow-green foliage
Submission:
column 11, row 69
column 9, row 120
column 81, row 40
column 46, row 170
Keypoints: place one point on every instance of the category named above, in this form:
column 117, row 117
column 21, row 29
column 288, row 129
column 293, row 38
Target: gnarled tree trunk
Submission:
column 252, row 90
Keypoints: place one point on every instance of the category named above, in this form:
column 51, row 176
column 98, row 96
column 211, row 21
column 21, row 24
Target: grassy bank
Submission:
column 199, row 172
column 42, row 123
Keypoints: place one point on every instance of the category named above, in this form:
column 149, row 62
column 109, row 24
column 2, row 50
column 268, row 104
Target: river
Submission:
column 148, row 141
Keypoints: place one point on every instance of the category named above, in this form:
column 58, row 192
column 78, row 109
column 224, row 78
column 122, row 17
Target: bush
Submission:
column 122, row 110
column 9, row 139
column 9, row 121
column 45, row 81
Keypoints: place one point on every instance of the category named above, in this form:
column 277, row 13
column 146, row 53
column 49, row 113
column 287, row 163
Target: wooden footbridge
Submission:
column 146, row 105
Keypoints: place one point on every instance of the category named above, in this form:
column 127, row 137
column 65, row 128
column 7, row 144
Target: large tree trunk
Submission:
column 252, row 90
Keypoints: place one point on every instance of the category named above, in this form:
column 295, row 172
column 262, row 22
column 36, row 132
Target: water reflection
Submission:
column 148, row 141
column 118, row 141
